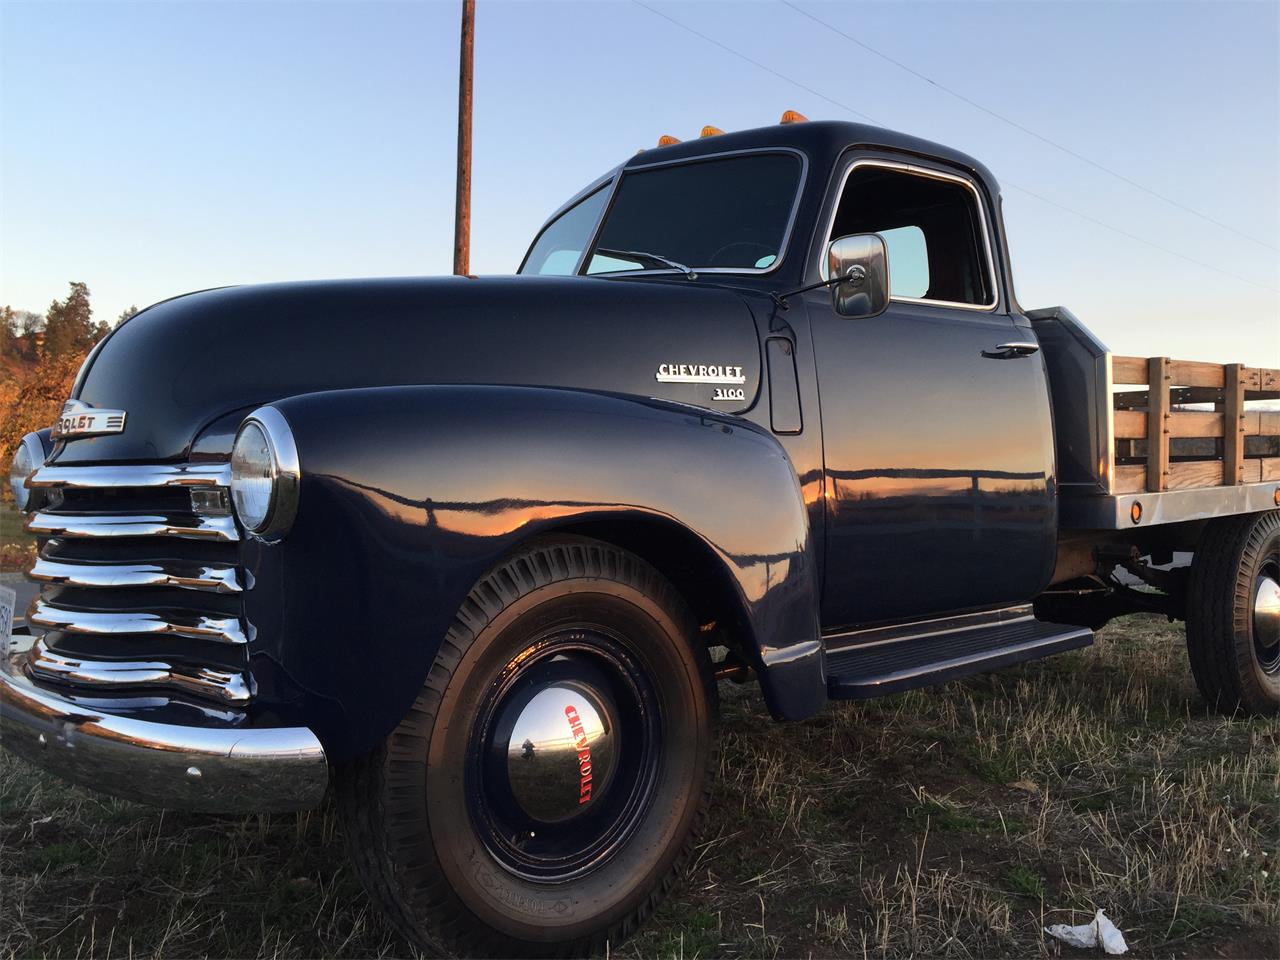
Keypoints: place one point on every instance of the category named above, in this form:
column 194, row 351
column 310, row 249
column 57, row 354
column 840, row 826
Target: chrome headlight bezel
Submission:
column 285, row 474
column 30, row 454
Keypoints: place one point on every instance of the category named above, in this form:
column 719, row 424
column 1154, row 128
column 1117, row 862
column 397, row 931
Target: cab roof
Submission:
column 823, row 141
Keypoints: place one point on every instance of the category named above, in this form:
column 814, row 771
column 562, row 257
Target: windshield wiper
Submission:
column 641, row 256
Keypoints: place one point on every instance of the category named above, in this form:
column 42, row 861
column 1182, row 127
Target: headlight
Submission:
column 26, row 461
column 264, row 474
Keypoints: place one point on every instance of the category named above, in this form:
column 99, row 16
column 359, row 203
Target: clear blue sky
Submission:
column 154, row 148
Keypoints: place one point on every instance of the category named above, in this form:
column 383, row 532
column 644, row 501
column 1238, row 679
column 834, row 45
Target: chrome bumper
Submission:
column 218, row 769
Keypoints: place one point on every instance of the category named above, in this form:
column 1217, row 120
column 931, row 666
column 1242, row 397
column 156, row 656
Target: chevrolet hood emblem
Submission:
column 79, row 419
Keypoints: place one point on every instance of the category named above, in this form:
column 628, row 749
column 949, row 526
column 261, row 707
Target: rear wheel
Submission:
column 1233, row 614
column 545, row 788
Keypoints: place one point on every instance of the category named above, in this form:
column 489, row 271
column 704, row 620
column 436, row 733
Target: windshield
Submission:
column 729, row 213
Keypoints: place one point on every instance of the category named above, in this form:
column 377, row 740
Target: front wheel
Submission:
column 546, row 786
column 1233, row 614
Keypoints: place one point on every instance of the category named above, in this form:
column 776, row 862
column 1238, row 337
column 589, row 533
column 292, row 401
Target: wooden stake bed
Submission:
column 1174, row 440
column 1148, row 440
column 1163, row 442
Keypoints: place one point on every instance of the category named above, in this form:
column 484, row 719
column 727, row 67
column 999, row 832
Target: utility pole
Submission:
column 462, row 216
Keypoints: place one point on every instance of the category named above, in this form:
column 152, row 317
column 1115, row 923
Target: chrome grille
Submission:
column 139, row 592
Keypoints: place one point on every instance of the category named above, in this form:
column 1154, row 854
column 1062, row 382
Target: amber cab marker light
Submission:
column 1135, row 512
column 667, row 140
column 792, row 116
column 710, row 131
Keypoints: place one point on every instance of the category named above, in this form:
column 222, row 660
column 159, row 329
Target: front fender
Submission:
column 410, row 494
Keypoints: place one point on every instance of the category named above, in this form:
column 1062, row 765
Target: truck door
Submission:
column 938, row 450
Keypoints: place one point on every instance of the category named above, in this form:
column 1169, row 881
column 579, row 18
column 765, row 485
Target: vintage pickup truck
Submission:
column 473, row 552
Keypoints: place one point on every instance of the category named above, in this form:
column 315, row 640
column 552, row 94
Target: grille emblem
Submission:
column 79, row 419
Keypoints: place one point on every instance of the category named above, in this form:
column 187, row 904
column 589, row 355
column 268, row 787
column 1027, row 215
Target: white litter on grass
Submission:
column 1100, row 929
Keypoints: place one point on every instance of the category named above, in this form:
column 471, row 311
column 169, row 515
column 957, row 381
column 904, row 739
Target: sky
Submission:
column 151, row 148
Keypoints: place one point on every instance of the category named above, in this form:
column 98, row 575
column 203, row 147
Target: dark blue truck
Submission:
column 472, row 553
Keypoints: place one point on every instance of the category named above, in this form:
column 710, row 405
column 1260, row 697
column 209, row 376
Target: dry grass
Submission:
column 960, row 821
column 953, row 822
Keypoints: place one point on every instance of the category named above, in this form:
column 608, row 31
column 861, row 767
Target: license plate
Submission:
column 8, row 600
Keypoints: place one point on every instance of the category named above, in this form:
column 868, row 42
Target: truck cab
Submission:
column 473, row 553
column 933, row 485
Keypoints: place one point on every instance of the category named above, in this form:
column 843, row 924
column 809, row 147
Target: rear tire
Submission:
column 480, row 826
column 1233, row 614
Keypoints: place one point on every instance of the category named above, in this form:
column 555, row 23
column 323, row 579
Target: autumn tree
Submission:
column 8, row 332
column 69, row 327
column 32, row 392
column 26, row 325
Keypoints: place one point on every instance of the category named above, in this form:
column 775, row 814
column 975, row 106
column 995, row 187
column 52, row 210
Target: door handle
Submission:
column 1007, row 351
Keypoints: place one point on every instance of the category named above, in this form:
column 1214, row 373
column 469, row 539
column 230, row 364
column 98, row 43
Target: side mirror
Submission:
column 862, row 265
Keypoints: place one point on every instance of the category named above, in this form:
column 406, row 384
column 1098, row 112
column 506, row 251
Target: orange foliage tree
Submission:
column 31, row 397
column 38, row 367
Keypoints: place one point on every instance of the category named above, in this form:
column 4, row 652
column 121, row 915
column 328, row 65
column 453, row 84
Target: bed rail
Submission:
column 1179, row 424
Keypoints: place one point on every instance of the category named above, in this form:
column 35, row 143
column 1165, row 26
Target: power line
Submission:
column 1027, row 130
column 1043, row 199
column 1134, row 236
column 754, row 63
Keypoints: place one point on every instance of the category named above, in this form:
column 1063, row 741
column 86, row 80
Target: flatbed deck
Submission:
column 1148, row 440
column 1186, row 440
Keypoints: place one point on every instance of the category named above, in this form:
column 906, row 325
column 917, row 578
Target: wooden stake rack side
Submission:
column 1180, row 424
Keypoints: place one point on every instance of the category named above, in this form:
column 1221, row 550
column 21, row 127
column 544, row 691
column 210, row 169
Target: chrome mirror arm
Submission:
column 780, row 299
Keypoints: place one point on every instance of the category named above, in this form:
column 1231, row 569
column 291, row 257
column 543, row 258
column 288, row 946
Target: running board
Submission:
column 883, row 660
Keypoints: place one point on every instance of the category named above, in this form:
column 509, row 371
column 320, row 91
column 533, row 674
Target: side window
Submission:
column 559, row 247
column 908, row 261
column 932, row 228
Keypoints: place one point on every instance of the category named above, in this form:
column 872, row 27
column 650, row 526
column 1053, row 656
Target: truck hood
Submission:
column 183, row 364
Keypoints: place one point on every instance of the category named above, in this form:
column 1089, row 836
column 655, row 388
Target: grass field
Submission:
column 10, row 522
column 948, row 823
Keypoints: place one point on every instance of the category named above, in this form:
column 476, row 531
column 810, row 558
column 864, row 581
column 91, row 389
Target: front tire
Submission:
column 546, row 786
column 1233, row 614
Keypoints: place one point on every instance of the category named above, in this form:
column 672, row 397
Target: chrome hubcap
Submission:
column 562, row 751
column 564, row 755
column 1266, row 622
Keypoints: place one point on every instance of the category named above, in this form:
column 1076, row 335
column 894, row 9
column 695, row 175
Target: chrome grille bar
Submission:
column 173, row 623
column 113, row 675
column 144, row 476
column 124, row 525
column 215, row 578
column 139, row 582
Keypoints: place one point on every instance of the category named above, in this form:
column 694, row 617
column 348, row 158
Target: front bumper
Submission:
column 218, row 769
